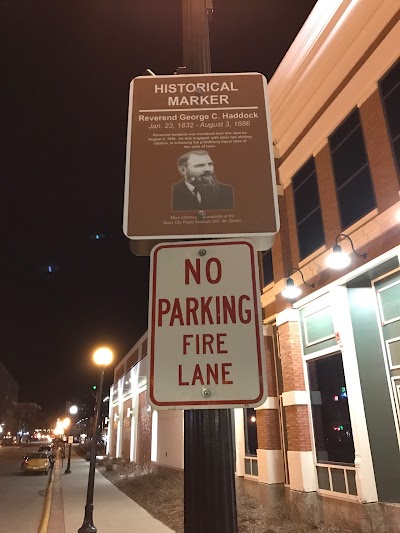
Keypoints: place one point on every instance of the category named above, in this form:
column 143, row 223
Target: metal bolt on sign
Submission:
column 206, row 393
column 202, row 252
column 201, row 214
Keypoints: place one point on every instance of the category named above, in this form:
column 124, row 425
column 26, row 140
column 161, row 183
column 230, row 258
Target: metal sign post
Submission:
column 200, row 165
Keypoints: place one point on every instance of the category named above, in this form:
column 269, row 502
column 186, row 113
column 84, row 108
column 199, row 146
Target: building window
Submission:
column 268, row 272
column 354, row 187
column 250, row 431
column 390, row 91
column 310, row 230
column 330, row 410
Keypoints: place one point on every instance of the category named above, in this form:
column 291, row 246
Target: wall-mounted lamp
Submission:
column 291, row 291
column 338, row 259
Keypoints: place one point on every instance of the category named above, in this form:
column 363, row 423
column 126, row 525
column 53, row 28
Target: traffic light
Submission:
column 94, row 387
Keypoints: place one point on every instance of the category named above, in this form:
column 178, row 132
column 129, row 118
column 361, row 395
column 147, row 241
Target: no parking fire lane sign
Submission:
column 205, row 329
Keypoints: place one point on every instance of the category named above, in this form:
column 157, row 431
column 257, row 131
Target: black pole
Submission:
column 196, row 37
column 88, row 526
column 68, row 469
column 209, row 471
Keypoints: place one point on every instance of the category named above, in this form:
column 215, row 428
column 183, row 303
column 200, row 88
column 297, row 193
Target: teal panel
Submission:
column 391, row 331
column 375, row 391
column 394, row 350
column 318, row 326
column 390, row 302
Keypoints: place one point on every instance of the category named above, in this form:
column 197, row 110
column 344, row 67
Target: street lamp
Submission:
column 102, row 358
column 73, row 410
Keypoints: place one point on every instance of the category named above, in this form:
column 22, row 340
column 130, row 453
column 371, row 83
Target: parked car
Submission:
column 50, row 450
column 37, row 462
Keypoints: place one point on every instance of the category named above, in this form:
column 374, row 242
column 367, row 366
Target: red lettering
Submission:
column 164, row 307
column 225, row 373
column 181, row 382
column 246, row 313
column 229, row 309
column 195, row 271
column 208, row 339
column 192, row 304
column 176, row 313
column 212, row 373
column 221, row 342
column 218, row 308
column 186, row 343
column 205, row 310
column 218, row 276
column 197, row 375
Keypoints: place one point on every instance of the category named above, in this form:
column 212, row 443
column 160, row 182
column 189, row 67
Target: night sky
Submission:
column 65, row 73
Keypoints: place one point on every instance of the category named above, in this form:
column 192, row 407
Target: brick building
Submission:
column 331, row 421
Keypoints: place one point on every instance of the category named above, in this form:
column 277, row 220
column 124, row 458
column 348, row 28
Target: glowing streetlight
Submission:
column 102, row 357
column 73, row 410
column 66, row 423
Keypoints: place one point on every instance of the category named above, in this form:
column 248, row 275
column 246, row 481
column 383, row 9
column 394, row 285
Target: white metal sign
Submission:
column 70, row 439
column 205, row 329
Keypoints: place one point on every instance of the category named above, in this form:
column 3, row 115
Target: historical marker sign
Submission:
column 205, row 329
column 199, row 158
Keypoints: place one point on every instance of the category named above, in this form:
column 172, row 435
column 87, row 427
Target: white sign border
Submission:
column 261, row 360
column 176, row 237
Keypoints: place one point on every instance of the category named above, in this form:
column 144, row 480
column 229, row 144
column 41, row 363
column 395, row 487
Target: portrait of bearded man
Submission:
column 199, row 188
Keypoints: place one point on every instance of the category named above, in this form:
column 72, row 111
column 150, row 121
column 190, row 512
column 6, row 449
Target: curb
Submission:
column 44, row 521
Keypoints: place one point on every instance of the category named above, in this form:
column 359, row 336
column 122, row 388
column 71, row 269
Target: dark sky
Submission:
column 65, row 73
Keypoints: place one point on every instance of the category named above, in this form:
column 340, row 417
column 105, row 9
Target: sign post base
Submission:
column 210, row 498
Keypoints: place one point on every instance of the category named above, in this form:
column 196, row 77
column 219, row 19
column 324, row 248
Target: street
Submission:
column 21, row 496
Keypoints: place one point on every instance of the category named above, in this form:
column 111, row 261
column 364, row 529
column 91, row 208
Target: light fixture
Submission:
column 338, row 259
column 103, row 356
column 291, row 291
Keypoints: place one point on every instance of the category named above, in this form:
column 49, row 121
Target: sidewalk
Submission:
column 114, row 512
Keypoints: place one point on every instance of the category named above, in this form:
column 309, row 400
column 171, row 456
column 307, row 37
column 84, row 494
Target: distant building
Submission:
column 8, row 399
column 27, row 414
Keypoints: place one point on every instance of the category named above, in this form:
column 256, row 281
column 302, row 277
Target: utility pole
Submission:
column 210, row 497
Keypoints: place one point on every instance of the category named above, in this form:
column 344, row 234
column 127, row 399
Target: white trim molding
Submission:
column 270, row 466
column 302, row 471
column 272, row 402
column 287, row 315
column 295, row 397
column 365, row 475
column 268, row 330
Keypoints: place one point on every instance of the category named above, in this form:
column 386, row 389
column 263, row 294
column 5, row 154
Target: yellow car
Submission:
column 36, row 462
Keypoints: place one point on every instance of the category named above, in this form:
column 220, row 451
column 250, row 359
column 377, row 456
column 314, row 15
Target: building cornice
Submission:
column 330, row 45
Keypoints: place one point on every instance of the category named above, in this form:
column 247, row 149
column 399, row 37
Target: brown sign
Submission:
column 199, row 158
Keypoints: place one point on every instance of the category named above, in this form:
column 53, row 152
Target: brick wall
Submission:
column 327, row 195
column 291, row 358
column 270, row 366
column 281, row 259
column 298, row 428
column 379, row 151
column 268, row 432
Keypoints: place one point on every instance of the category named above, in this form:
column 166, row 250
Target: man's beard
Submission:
column 205, row 182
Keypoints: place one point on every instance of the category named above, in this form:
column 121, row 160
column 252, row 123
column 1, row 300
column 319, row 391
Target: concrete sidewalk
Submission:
column 114, row 512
